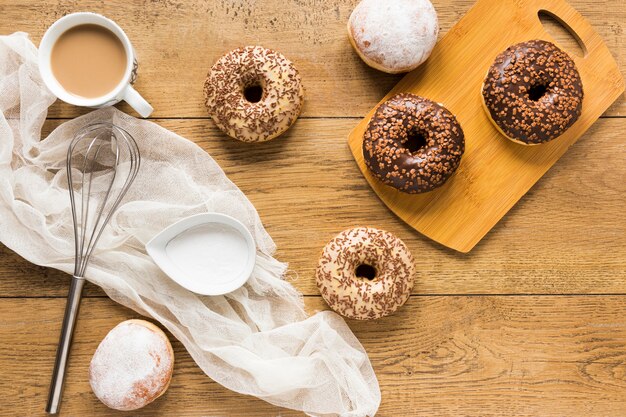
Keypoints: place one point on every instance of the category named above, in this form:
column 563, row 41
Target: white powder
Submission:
column 211, row 251
column 130, row 367
column 398, row 34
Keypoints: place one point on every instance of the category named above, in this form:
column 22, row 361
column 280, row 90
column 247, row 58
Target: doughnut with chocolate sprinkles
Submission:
column 533, row 92
column 413, row 144
column 365, row 273
column 253, row 94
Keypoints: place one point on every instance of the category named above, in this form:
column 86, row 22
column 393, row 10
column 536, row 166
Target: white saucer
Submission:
column 209, row 254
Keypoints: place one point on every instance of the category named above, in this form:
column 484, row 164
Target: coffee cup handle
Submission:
column 134, row 99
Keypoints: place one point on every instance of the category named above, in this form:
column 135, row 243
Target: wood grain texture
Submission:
column 178, row 41
column 486, row 355
column 567, row 235
column 494, row 172
column 470, row 356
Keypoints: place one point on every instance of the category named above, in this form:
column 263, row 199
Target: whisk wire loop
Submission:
column 90, row 147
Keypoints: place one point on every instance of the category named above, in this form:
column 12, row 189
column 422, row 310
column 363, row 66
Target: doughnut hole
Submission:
column 416, row 141
column 535, row 92
column 253, row 93
column 366, row 271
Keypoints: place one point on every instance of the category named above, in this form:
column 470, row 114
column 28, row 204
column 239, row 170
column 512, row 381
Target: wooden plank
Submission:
column 178, row 41
column 439, row 356
column 457, row 355
column 567, row 235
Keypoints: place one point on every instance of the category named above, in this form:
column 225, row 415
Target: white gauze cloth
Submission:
column 257, row 340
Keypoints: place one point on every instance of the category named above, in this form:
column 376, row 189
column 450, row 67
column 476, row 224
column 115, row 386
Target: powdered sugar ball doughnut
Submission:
column 393, row 36
column 132, row 366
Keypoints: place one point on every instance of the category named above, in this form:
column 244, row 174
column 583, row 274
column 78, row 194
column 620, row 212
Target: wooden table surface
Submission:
column 531, row 322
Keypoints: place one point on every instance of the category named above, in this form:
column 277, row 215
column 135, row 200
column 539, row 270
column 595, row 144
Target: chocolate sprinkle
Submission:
column 388, row 151
column 361, row 298
column 533, row 92
column 253, row 67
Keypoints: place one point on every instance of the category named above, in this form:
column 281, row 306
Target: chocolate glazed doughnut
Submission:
column 413, row 144
column 533, row 92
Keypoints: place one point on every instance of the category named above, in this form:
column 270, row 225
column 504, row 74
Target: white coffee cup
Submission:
column 123, row 91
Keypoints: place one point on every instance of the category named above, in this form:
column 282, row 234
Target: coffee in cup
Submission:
column 87, row 60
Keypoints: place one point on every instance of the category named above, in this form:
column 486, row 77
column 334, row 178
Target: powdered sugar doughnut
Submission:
column 132, row 366
column 393, row 36
column 365, row 273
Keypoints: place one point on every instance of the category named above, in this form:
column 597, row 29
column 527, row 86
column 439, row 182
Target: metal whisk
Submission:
column 102, row 162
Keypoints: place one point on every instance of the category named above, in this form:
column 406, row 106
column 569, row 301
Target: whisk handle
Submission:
column 69, row 322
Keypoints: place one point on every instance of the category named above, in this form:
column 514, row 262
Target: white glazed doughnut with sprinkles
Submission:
column 365, row 273
column 253, row 94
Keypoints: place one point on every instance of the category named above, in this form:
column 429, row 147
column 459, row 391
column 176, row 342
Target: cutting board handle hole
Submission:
column 564, row 35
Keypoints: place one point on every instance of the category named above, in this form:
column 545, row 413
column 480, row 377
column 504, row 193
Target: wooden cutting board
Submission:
column 494, row 172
